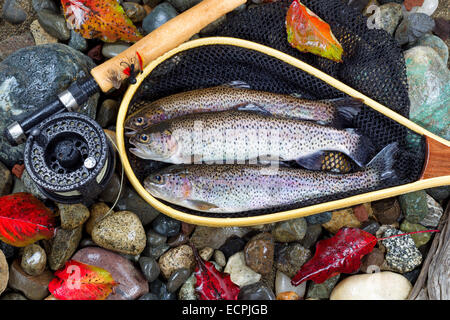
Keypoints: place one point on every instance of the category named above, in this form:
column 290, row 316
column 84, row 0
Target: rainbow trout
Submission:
column 336, row 112
column 240, row 136
column 237, row 188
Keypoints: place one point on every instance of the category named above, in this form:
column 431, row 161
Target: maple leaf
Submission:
column 212, row 284
column 79, row 281
column 104, row 19
column 24, row 220
column 309, row 33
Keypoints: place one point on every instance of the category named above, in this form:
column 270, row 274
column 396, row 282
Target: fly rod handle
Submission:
column 165, row 38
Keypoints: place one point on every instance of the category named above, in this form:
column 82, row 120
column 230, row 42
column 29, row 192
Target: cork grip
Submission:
column 165, row 38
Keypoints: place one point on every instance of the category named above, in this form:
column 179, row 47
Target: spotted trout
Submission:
column 237, row 188
column 335, row 112
column 240, row 136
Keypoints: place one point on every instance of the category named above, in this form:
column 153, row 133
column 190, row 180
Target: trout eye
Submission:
column 139, row 121
column 143, row 138
column 158, row 179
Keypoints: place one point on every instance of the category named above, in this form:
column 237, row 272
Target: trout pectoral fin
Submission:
column 200, row 205
column 250, row 107
column 237, row 84
column 313, row 161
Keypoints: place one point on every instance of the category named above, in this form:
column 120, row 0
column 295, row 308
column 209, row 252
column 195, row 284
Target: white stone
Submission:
column 428, row 7
column 283, row 284
column 384, row 285
column 187, row 290
column 240, row 274
column 434, row 214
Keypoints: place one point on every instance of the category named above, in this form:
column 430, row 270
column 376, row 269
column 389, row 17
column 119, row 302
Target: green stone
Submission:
column 419, row 238
column 414, row 205
column 438, row 45
column 429, row 90
column 322, row 290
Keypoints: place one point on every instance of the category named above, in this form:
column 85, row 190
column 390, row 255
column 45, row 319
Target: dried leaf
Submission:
column 212, row 284
column 79, row 281
column 104, row 19
column 309, row 33
column 24, row 220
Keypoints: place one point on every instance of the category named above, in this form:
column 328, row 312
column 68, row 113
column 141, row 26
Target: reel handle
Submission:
column 165, row 38
column 69, row 100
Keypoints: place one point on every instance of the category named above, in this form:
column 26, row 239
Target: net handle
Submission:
column 163, row 39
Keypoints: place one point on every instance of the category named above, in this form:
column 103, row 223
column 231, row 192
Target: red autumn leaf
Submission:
column 211, row 283
column 24, row 220
column 104, row 19
column 409, row 4
column 340, row 254
column 309, row 33
column 79, row 281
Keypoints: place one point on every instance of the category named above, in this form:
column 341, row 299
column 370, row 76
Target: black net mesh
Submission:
column 373, row 65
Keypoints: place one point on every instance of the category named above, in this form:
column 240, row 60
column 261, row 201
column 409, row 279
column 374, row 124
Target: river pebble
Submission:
column 290, row 230
column 120, row 231
column 72, row 215
column 63, row 245
column 177, row 279
column 176, row 258
column 131, row 282
column 256, row 291
column 402, row 254
column 34, row 260
column 33, row 287
column 149, row 267
column 240, row 274
column 377, row 286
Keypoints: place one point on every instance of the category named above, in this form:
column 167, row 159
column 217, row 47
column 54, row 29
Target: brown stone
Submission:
column 187, row 228
column 4, row 272
column 361, row 213
column 374, row 258
column 131, row 282
column 342, row 218
column 6, row 180
column 259, row 253
column 178, row 240
column 206, row 253
column 121, row 231
column 72, row 215
column 33, row 287
column 63, row 246
column 176, row 258
column 34, row 260
column 386, row 211
column 97, row 211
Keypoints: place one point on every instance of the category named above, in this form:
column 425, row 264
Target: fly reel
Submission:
column 70, row 158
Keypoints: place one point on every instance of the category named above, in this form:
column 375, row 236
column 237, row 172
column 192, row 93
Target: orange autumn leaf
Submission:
column 104, row 19
column 80, row 281
column 309, row 33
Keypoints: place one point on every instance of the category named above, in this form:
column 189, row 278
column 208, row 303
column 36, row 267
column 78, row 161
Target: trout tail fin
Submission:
column 346, row 111
column 362, row 150
column 384, row 161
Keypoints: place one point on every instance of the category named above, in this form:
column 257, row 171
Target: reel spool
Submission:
column 70, row 158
